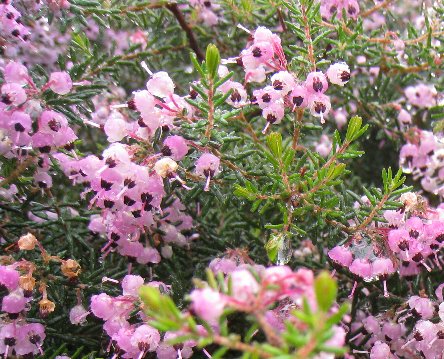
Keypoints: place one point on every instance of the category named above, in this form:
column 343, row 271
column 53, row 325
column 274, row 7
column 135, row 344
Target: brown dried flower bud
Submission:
column 70, row 268
column 46, row 307
column 27, row 242
column 27, row 283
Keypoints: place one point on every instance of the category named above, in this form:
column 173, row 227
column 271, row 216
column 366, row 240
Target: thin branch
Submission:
column 22, row 167
column 297, row 129
column 240, row 346
column 210, row 110
column 189, row 32
column 373, row 213
column 311, row 56
column 375, row 8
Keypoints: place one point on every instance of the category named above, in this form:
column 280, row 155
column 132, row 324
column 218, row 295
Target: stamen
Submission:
column 408, row 343
column 264, row 131
column 122, row 105
column 91, row 123
column 104, row 248
column 146, row 68
column 426, row 266
column 353, row 289
column 74, row 154
column 244, row 28
column 122, row 192
column 433, row 341
column 385, row 289
column 107, row 279
column 357, row 336
column 207, row 184
column 206, row 353
column 438, row 263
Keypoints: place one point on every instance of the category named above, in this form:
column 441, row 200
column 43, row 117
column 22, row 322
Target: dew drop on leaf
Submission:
column 285, row 251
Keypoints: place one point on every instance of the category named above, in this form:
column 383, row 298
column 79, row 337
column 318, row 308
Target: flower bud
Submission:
column 27, row 283
column 165, row 166
column 46, row 307
column 27, row 242
column 70, row 268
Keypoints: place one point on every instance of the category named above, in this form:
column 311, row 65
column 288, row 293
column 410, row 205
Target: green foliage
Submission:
column 326, row 290
column 271, row 188
column 212, row 60
column 167, row 317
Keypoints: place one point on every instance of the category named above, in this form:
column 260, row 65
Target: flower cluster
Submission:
column 423, row 157
column 11, row 26
column 26, row 127
column 155, row 166
column 207, row 11
column 250, row 295
column 129, row 340
column 391, row 336
column 128, row 183
column 17, row 337
column 413, row 240
column 270, row 295
column 264, row 55
column 21, row 284
column 330, row 8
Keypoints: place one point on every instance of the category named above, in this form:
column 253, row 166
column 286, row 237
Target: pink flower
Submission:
column 145, row 338
column 316, row 82
column 238, row 97
column 267, row 96
column 176, row 147
column 273, row 114
column 208, row 304
column 78, row 314
column 9, row 277
column 15, row 72
column 421, row 95
column 399, row 240
column 361, row 268
column 207, row 166
column 102, row 306
column 168, row 351
column 341, row 255
column 43, row 179
column 60, row 83
column 160, row 85
column 380, row 350
column 116, row 128
column 148, row 255
column 131, row 285
column 299, row 97
column 319, row 106
column 244, row 286
column 14, row 302
column 338, row 73
column 324, row 146
column 283, row 81
column 13, row 94
column 404, row 118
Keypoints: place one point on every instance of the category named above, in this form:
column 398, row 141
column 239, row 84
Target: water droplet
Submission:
column 406, row 167
column 370, row 279
column 285, row 251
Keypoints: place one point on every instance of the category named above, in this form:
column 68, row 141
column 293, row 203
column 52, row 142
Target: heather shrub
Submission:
column 221, row 179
